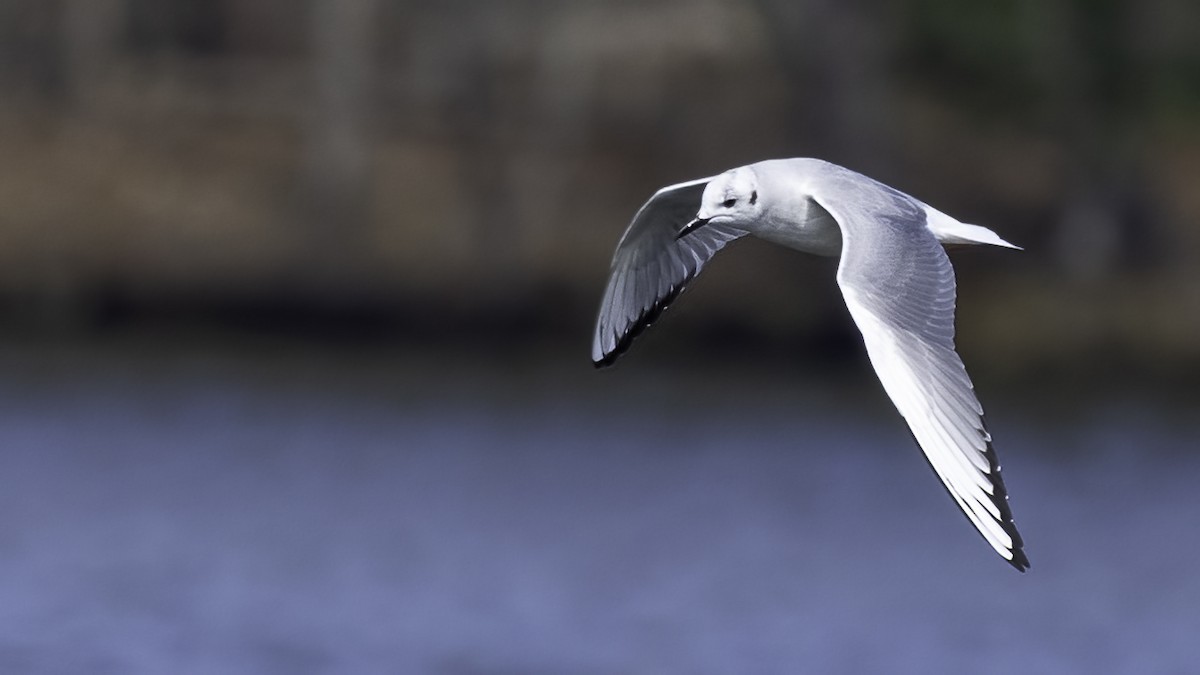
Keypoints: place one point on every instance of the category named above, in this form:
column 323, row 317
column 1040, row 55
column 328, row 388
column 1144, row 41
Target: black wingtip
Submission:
column 641, row 324
column 1019, row 560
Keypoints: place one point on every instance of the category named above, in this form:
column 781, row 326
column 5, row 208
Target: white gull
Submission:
column 895, row 277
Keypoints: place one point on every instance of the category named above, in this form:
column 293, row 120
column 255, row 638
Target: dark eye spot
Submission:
column 754, row 197
column 728, row 203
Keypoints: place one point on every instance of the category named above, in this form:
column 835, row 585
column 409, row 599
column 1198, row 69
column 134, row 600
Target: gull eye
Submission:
column 728, row 203
column 754, row 196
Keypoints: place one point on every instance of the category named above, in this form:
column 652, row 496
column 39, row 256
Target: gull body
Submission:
column 895, row 277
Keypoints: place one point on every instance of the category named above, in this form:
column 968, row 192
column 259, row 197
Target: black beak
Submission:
column 690, row 227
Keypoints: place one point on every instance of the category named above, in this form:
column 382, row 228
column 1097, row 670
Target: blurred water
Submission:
column 262, row 514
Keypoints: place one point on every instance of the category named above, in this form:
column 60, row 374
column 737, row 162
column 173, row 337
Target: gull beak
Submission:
column 696, row 224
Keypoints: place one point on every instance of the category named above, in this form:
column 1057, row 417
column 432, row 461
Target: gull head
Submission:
column 729, row 199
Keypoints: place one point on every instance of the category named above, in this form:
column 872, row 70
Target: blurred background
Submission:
column 295, row 313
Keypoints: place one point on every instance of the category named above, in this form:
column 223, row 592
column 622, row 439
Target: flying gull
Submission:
column 895, row 277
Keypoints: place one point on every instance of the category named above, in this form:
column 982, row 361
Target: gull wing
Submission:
column 651, row 267
column 899, row 287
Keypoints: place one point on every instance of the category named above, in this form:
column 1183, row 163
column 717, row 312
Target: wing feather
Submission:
column 899, row 287
column 651, row 267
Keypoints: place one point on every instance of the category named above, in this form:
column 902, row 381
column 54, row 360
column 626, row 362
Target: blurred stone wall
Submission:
column 477, row 156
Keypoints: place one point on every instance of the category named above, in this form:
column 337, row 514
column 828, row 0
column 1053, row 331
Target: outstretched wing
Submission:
column 651, row 267
column 899, row 287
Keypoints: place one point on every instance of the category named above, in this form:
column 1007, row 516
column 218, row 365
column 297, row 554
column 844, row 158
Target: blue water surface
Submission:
column 268, row 512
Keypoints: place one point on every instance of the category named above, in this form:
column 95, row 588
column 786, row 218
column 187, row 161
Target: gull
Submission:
column 895, row 277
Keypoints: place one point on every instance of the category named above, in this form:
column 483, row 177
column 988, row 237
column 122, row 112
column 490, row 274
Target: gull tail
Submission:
column 950, row 231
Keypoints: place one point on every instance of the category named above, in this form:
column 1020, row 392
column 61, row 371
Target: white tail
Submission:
column 950, row 231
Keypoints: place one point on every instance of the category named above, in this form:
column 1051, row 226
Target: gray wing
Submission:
column 651, row 267
column 899, row 287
